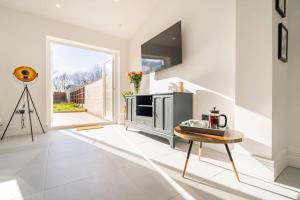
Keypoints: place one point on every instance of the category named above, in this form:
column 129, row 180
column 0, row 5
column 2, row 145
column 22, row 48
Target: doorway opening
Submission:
column 82, row 85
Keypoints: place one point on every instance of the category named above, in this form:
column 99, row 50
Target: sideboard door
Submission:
column 163, row 113
column 158, row 113
column 128, row 109
column 133, row 109
column 168, row 114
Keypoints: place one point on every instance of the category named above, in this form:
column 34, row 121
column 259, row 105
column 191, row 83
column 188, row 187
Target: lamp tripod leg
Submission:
column 28, row 106
column 35, row 110
column 13, row 114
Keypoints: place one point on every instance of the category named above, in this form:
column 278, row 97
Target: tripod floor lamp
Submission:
column 25, row 75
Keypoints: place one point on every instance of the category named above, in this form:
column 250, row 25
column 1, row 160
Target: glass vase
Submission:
column 136, row 86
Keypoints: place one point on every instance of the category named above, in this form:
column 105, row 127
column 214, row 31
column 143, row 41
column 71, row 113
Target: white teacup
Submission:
column 194, row 123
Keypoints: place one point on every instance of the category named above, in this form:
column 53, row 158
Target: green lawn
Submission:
column 67, row 107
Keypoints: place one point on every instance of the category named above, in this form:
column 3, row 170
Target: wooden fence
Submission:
column 77, row 96
column 59, row 97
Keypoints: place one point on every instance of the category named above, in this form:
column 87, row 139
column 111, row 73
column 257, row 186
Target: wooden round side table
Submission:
column 229, row 137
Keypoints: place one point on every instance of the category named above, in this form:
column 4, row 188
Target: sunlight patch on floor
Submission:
column 10, row 189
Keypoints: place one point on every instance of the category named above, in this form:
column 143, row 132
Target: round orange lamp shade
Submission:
column 25, row 74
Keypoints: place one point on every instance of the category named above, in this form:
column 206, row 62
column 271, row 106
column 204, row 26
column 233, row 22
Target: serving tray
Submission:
column 208, row 131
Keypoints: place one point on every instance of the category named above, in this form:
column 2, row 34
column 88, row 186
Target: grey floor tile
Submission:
column 76, row 167
column 114, row 186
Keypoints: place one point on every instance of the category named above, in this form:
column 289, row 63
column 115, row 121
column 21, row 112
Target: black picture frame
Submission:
column 281, row 7
column 283, row 36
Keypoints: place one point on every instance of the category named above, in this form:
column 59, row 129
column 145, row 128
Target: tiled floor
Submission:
column 112, row 163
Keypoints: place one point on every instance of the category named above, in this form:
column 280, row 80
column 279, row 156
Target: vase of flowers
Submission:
column 135, row 77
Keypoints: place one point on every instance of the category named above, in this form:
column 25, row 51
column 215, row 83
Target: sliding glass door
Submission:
column 108, row 90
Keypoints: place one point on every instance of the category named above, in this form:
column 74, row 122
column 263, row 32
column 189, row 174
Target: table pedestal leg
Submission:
column 187, row 158
column 232, row 162
column 200, row 150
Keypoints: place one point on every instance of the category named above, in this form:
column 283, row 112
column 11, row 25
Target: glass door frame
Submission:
column 105, row 117
column 49, row 77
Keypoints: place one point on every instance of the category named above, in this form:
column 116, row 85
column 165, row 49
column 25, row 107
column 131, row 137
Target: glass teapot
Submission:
column 214, row 119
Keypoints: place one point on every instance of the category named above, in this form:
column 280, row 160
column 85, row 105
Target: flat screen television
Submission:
column 162, row 51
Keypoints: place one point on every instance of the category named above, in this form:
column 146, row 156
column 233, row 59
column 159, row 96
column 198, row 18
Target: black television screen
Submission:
column 162, row 51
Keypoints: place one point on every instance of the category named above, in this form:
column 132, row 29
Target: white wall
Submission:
column 229, row 60
column 253, row 87
column 93, row 99
column 208, row 37
column 23, row 42
column 293, row 116
column 279, row 106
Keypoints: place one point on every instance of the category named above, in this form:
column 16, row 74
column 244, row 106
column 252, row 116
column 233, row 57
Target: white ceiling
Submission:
column 121, row 18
